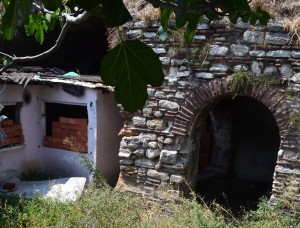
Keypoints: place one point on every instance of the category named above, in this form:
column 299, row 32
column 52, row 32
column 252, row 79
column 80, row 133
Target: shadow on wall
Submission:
column 82, row 48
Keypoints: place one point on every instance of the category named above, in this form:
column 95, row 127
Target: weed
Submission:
column 98, row 179
column 35, row 175
column 242, row 78
column 107, row 208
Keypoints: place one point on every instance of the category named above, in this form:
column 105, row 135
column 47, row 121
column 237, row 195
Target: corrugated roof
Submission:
column 29, row 75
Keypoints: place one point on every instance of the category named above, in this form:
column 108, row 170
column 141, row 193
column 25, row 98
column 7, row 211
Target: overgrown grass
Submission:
column 103, row 207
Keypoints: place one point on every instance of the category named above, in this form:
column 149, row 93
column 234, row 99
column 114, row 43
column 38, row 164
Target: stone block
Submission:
column 217, row 50
column 147, row 136
column 133, row 34
column 275, row 27
column 239, row 49
column 153, row 145
column 296, row 54
column 139, row 121
column 179, row 165
column 176, row 178
column 203, row 26
column 277, row 38
column 242, row 25
column 256, row 67
column 147, row 112
column 183, row 73
column 140, row 24
column 257, row 53
column 139, row 152
column 199, row 37
column 168, row 141
column 160, row 95
column 151, row 104
column 204, row 75
column 149, row 35
column 270, row 70
column 295, row 78
column 279, row 54
column 133, row 145
column 151, row 92
column 256, row 37
column 219, row 24
column 158, row 175
column 168, row 105
column 158, row 114
column 286, row 70
column 218, row 67
column 156, row 124
column 144, row 162
column 165, row 60
column 126, row 162
column 178, row 62
column 179, row 95
column 241, row 67
column 124, row 153
column 168, row 157
column 159, row 50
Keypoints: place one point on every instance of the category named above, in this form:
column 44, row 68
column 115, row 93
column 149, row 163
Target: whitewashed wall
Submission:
column 102, row 148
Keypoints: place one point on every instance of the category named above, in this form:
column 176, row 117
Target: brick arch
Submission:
column 207, row 92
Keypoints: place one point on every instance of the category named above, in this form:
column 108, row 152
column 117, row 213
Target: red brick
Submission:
column 4, row 142
column 9, row 131
column 7, row 123
column 18, row 132
column 17, row 140
column 56, row 124
column 78, row 133
column 63, row 120
column 64, row 125
column 48, row 138
column 77, row 121
column 78, row 127
column 56, row 140
column 20, row 139
column 17, row 126
column 82, row 122
column 81, row 138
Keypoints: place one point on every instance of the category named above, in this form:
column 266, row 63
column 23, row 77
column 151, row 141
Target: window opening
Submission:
column 11, row 133
column 66, row 127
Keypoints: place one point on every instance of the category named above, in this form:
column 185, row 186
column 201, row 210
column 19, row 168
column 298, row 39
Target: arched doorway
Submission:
column 237, row 153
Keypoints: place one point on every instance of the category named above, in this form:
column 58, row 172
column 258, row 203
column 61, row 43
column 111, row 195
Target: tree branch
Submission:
column 69, row 21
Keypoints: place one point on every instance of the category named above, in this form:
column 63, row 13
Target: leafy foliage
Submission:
column 131, row 65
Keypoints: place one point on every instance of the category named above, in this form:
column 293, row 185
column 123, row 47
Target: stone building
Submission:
column 228, row 110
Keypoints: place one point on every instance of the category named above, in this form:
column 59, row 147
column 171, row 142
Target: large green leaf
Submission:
column 9, row 20
column 51, row 4
column 115, row 13
column 25, row 9
column 164, row 17
column 130, row 66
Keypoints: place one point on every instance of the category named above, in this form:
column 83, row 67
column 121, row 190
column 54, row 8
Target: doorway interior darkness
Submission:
column 239, row 142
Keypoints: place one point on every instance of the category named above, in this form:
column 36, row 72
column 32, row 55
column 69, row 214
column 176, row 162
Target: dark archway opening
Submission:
column 239, row 142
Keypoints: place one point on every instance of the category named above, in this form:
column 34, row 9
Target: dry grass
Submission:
column 286, row 12
column 142, row 10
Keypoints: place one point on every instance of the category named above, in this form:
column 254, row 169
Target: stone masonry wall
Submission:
column 158, row 144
